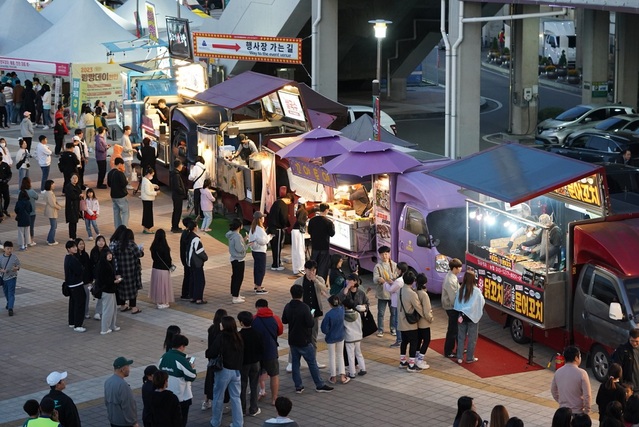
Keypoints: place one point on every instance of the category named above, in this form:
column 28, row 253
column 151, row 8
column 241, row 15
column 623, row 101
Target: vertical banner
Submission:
column 75, row 100
column 268, row 181
column 150, row 17
column 377, row 133
column 381, row 208
column 57, row 92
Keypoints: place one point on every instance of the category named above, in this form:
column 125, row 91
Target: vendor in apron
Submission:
column 246, row 148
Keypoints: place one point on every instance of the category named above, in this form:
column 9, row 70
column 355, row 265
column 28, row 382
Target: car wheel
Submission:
column 600, row 363
column 517, row 331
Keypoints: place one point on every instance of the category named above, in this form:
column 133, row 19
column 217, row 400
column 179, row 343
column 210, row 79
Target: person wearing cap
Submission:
column 258, row 241
column 26, row 129
column 245, row 149
column 298, row 243
column 277, row 224
column 321, row 229
column 67, row 411
column 548, row 242
column 120, row 403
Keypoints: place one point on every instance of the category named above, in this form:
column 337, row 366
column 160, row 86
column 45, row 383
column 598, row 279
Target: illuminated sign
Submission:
column 310, row 171
column 586, row 191
column 248, row 48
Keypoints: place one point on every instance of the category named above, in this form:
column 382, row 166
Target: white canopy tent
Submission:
column 163, row 8
column 57, row 9
column 21, row 24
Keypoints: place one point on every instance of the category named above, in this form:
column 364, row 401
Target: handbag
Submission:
column 411, row 318
column 216, row 363
column 65, row 289
column 369, row 327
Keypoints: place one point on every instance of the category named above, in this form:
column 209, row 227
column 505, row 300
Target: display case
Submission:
column 355, row 235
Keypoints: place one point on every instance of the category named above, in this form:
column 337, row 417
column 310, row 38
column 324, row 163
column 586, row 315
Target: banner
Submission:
column 91, row 82
column 381, row 208
column 37, row 67
column 150, row 17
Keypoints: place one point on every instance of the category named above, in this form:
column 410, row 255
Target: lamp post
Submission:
column 379, row 25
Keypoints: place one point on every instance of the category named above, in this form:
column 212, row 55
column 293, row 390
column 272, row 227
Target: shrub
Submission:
column 550, row 68
column 573, row 72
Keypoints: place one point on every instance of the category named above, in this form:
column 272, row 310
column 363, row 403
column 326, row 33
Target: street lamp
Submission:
column 379, row 25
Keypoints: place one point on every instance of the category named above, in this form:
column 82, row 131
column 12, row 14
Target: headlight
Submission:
column 441, row 264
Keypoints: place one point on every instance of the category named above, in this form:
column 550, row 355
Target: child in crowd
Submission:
column 333, row 329
column 353, row 337
column 32, row 408
column 283, row 405
column 51, row 208
column 91, row 212
column 393, row 289
column 206, row 205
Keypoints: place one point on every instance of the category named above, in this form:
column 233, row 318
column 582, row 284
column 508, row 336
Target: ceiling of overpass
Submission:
column 630, row 6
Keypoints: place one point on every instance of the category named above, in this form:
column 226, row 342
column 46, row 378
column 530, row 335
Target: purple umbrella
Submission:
column 370, row 158
column 319, row 142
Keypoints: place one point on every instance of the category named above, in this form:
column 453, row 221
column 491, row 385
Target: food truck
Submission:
column 584, row 292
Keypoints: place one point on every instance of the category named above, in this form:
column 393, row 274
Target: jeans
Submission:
column 237, row 277
column 231, row 379
column 381, row 309
column 250, row 376
column 10, row 112
column 9, row 288
column 53, row 225
column 45, row 176
column 23, row 237
column 451, row 332
column 91, row 223
column 393, row 324
column 308, row 353
column 31, row 225
column 120, row 212
column 22, row 173
column 259, row 268
column 471, row 329
column 208, row 219
column 17, row 107
column 46, row 117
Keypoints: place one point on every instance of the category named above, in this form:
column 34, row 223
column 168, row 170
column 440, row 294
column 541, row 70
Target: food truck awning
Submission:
column 515, row 173
column 242, row 89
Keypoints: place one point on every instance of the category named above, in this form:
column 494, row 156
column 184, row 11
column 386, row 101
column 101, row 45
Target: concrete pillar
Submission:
column 324, row 41
column 398, row 89
column 627, row 77
column 467, row 79
column 592, row 36
column 524, row 54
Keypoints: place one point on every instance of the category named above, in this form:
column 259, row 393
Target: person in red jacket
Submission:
column 269, row 326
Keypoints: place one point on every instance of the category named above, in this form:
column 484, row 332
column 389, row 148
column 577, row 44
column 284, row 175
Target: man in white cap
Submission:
column 122, row 410
column 26, row 129
column 67, row 411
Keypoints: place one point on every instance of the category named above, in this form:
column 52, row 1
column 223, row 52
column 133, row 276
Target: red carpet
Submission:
column 494, row 359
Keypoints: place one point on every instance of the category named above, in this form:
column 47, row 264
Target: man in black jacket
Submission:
column 67, row 411
column 321, row 229
column 277, row 223
column 178, row 194
column 297, row 315
column 5, row 177
column 68, row 164
column 116, row 180
column 627, row 355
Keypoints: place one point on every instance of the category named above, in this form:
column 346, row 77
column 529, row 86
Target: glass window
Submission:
column 414, row 222
column 604, row 290
column 580, row 142
column 596, row 115
column 585, row 282
column 598, row 144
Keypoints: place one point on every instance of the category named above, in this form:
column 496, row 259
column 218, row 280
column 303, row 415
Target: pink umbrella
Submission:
column 370, row 158
column 316, row 143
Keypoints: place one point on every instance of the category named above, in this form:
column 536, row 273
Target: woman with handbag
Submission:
column 214, row 330
column 470, row 305
column 161, row 291
column 230, row 347
column 423, row 326
column 127, row 256
column 410, row 310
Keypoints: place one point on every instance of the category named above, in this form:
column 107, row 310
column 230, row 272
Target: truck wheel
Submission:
column 517, row 331
column 353, row 264
column 600, row 361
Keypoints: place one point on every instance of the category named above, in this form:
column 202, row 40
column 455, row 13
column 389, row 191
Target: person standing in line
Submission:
column 122, row 411
column 127, row 155
column 46, row 106
column 337, row 277
column 470, row 306
column 87, row 275
column 94, row 258
column 43, row 155
column 610, row 391
column 321, row 229
column 627, row 355
column 6, row 154
column 214, row 330
column 148, row 193
column 18, row 92
column 408, row 303
column 59, row 131
column 353, row 338
column 107, row 281
column 73, row 276
column 185, row 238
column 571, row 385
column 127, row 256
column 164, row 407
column 82, row 153
column 26, row 129
column 299, row 319
column 67, row 411
column 393, row 289
column 22, row 160
column 253, row 353
column 51, row 208
column 101, row 148
column 237, row 250
column 195, row 258
column 8, row 94
column 258, row 241
column 333, row 329
column 206, row 205
column 68, row 164
column 178, row 194
column 298, row 241
column 449, row 292
column 147, row 155
column 423, row 326
column 315, row 290
column 116, row 179
column 160, row 290
column 9, row 267
column 181, row 374
column 385, row 271
column 91, row 212
column 5, row 178
column 3, row 109
column 72, row 195
column 277, row 223
column 197, row 175
column 23, row 213
column 147, row 392
column 269, row 326
column 33, row 196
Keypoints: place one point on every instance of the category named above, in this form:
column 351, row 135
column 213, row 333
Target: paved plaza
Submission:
column 37, row 340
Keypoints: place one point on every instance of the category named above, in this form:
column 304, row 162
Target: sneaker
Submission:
column 289, row 368
column 473, row 360
column 299, row 390
column 206, row 405
column 52, row 243
column 393, row 332
column 352, row 376
column 31, row 244
column 380, row 333
column 10, row 312
column 47, row 127
column 22, row 248
column 90, row 238
column 396, row 344
column 108, row 331
column 97, row 316
column 361, row 373
column 421, row 364
column 280, row 268
column 451, row 356
column 256, row 413
column 117, row 328
column 403, row 365
column 261, row 291
column 71, row 326
column 87, row 316
column 321, row 365
column 413, row 368
column 226, row 410
column 237, row 301
column 79, row 329
column 324, row 389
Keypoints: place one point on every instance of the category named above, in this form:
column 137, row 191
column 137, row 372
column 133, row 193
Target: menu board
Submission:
column 292, row 106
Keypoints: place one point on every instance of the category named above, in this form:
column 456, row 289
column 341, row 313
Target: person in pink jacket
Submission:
column 206, row 205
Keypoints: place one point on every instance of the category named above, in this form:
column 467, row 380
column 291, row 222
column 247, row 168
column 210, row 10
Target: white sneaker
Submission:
column 117, row 328
column 46, row 127
column 289, row 367
column 206, row 405
column 422, row 364
column 79, row 329
column 52, row 243
column 31, row 244
column 90, row 238
column 238, row 300
column 321, row 365
column 97, row 316
column 108, row 331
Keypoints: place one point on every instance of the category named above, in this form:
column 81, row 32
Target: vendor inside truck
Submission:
column 245, row 149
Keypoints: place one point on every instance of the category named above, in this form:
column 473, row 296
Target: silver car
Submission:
column 580, row 117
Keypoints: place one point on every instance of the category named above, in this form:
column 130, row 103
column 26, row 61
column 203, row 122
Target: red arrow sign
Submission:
column 234, row 47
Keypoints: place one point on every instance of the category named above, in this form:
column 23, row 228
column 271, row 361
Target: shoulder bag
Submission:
column 217, row 363
column 369, row 327
column 411, row 318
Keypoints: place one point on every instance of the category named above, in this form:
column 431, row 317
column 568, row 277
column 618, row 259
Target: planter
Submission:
column 497, row 61
column 541, row 69
column 493, row 54
column 574, row 80
column 551, row 75
column 562, row 72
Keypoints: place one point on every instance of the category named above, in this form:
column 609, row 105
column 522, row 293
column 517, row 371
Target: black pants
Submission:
column 276, row 246
column 73, row 229
column 237, row 277
column 178, row 203
column 323, row 260
column 409, row 339
column 186, row 283
column 451, row 332
column 423, row 339
column 59, row 140
column 120, row 301
column 184, row 406
column 250, row 375
column 196, row 202
column 27, row 139
column 77, row 302
column 4, row 194
column 147, row 214
column 101, row 171
column 81, row 177
column 3, row 117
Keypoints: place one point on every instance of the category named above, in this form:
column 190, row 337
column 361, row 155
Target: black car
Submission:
column 594, row 146
column 623, row 187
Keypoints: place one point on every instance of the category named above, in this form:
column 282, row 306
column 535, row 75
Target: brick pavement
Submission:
column 37, row 340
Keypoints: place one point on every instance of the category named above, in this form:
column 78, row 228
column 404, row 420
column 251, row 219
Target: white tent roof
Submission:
column 163, row 8
column 21, row 23
column 57, row 9
column 90, row 27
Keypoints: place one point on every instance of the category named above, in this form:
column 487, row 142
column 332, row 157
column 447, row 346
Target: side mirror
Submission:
column 615, row 312
column 424, row 241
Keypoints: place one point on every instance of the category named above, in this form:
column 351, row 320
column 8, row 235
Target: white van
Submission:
column 356, row 111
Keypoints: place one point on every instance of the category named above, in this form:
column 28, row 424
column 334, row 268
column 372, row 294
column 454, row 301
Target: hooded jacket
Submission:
column 352, row 326
column 237, row 247
column 269, row 326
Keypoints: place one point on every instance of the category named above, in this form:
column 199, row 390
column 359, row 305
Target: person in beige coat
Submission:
column 408, row 303
column 51, row 208
column 423, row 326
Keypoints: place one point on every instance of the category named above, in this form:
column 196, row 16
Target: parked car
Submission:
column 579, row 117
column 623, row 187
column 594, row 146
column 356, row 111
column 628, row 122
